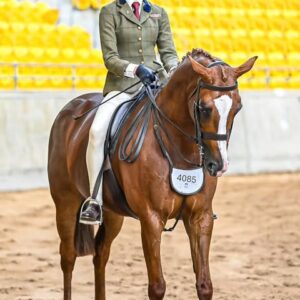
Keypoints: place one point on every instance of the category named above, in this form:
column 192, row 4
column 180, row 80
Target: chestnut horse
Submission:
column 201, row 94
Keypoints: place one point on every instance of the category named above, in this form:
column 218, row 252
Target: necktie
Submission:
column 136, row 10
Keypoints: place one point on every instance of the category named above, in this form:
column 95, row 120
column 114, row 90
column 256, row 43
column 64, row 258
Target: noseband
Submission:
column 202, row 135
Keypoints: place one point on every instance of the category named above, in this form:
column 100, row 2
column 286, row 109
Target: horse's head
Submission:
column 213, row 107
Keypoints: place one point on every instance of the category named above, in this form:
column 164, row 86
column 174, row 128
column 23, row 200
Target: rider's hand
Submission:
column 145, row 74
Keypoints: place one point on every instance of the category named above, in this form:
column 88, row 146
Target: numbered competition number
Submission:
column 185, row 178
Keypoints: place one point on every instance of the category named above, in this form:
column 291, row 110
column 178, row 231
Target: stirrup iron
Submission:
column 99, row 221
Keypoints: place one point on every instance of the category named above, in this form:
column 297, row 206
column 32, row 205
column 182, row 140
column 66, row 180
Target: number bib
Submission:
column 187, row 182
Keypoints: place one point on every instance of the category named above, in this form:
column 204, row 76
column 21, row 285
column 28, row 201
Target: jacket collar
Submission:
column 126, row 10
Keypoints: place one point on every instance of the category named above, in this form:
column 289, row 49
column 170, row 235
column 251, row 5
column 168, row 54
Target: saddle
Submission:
column 120, row 116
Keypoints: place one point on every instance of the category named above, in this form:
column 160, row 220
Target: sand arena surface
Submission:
column 255, row 252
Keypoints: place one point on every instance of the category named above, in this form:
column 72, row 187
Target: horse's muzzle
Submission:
column 214, row 167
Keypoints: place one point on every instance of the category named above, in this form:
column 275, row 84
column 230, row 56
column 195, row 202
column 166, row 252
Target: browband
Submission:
column 207, row 86
column 217, row 87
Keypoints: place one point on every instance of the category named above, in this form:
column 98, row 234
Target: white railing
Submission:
column 74, row 76
column 71, row 68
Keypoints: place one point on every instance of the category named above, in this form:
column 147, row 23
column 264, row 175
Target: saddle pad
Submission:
column 119, row 116
column 187, row 182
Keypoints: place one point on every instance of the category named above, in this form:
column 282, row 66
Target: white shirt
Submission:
column 130, row 70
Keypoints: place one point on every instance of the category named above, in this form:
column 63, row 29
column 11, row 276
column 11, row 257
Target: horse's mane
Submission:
column 196, row 53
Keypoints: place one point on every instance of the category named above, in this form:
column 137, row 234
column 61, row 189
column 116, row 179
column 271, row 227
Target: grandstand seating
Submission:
column 233, row 30
column 30, row 36
column 86, row 4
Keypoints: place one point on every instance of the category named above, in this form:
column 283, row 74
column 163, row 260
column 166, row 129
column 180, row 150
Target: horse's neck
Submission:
column 173, row 99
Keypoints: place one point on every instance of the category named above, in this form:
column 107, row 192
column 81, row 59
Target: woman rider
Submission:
column 129, row 32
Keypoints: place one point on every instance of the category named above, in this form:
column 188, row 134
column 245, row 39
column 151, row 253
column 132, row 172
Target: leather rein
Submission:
column 142, row 119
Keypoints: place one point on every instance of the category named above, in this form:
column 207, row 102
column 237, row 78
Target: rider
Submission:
column 129, row 31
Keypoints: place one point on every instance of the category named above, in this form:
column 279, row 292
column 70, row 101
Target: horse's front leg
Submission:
column 152, row 226
column 199, row 229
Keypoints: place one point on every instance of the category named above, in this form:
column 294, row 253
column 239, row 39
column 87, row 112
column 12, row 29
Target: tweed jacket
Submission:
column 125, row 39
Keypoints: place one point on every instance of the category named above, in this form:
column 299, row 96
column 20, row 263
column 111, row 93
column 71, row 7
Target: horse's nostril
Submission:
column 212, row 168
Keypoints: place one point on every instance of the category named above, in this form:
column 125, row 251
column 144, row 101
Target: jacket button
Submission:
column 140, row 50
column 139, row 27
column 140, row 38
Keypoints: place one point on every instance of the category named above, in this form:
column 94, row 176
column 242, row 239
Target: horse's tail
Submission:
column 84, row 239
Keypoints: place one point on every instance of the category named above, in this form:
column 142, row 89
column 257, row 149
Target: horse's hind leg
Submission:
column 66, row 218
column 106, row 234
column 199, row 230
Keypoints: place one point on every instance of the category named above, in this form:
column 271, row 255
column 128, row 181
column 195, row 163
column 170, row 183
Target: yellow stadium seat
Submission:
column 293, row 45
column 255, row 12
column 79, row 38
column 26, row 82
column 21, row 54
column 81, row 4
column 90, row 83
column 255, row 4
column 6, row 83
column 48, row 36
column 6, row 69
column 237, row 13
column 7, row 54
column 279, row 78
column 182, row 37
column 23, row 11
column 237, row 58
column 293, row 59
column 60, row 82
column 294, row 79
column 221, row 55
column 292, row 34
column 104, row 2
column 17, row 30
column 37, row 54
column 82, row 55
column 203, row 39
column 63, row 36
column 262, row 60
column 239, row 22
column 291, row 13
column 95, row 57
column 52, row 55
column 96, row 4
column 67, row 55
column 276, row 59
column 50, row 16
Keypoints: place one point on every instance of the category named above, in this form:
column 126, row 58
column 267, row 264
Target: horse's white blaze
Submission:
column 223, row 105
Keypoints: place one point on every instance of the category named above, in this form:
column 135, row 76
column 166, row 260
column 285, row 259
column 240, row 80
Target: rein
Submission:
column 142, row 120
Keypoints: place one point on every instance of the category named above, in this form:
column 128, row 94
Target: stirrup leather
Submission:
column 99, row 221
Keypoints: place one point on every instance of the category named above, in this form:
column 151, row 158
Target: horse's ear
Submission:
column 245, row 67
column 201, row 70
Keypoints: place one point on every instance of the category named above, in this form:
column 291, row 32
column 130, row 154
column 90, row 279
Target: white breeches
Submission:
column 97, row 134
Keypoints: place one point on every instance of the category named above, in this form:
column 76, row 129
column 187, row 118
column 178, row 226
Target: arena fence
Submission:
column 49, row 76
column 41, row 76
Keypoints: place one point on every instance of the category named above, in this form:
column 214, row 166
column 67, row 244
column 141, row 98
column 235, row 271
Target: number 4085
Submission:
column 186, row 178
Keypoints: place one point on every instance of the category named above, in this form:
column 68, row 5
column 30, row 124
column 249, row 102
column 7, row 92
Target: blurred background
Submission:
column 50, row 52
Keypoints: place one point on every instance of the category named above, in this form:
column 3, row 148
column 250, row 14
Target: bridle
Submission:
column 203, row 135
column 143, row 118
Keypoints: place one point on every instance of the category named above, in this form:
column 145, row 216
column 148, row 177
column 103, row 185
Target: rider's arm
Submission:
column 108, row 39
column 165, row 43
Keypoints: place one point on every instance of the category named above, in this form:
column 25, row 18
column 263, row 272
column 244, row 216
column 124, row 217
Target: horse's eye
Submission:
column 205, row 111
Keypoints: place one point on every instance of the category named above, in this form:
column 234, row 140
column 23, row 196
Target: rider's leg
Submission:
column 95, row 152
